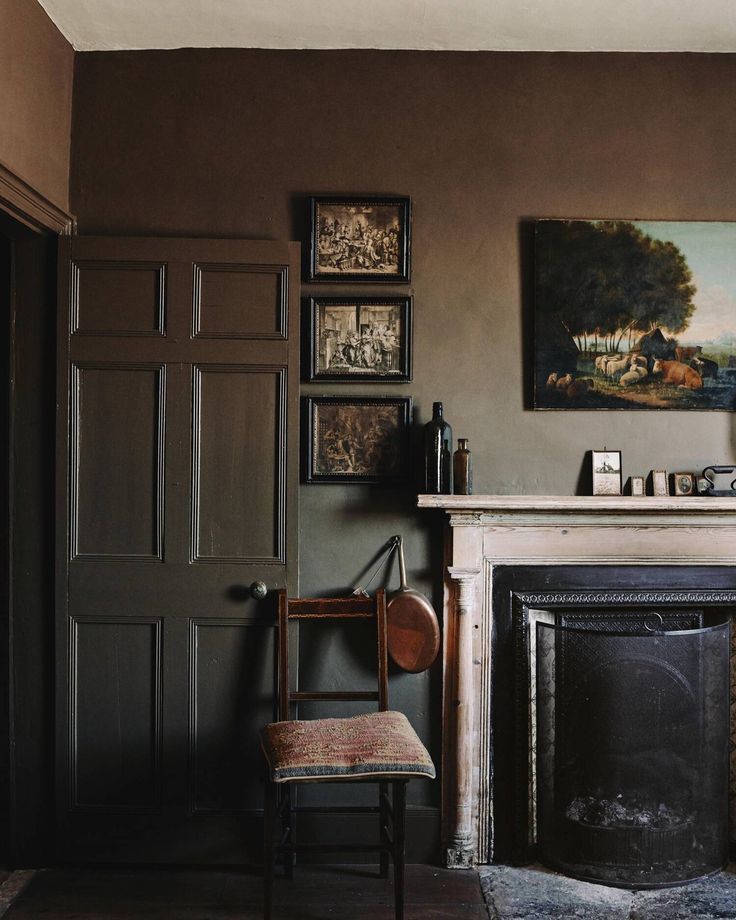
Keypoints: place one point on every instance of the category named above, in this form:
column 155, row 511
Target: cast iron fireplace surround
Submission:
column 604, row 598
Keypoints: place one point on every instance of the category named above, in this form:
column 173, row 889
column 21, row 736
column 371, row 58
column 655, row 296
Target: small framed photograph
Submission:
column 365, row 439
column 355, row 339
column 360, row 238
column 658, row 482
column 637, row 486
column 683, row 483
column 606, row 472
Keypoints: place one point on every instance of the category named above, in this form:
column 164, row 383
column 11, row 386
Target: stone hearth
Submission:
column 492, row 535
column 534, row 893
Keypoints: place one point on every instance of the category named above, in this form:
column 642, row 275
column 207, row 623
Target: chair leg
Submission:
column 399, row 806
column 383, row 820
column 269, row 819
column 287, row 825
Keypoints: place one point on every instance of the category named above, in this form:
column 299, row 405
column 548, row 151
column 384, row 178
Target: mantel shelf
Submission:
column 578, row 504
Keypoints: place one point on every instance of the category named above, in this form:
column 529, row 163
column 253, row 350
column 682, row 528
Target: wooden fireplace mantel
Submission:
column 491, row 530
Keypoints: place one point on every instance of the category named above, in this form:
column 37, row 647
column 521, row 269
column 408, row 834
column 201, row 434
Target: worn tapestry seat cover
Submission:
column 366, row 745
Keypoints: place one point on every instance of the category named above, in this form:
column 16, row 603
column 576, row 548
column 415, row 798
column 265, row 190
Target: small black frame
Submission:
column 365, row 439
column 360, row 238
column 360, row 339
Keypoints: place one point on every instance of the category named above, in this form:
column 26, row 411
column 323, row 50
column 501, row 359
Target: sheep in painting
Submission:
column 634, row 375
column 600, row 364
column 564, row 382
column 617, row 366
column 552, row 380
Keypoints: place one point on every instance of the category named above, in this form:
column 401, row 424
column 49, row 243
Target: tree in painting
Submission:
column 604, row 282
column 611, row 300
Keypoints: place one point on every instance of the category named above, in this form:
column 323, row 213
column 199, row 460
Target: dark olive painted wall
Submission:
column 36, row 73
column 230, row 143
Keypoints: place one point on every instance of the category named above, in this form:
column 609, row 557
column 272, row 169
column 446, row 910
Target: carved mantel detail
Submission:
column 491, row 530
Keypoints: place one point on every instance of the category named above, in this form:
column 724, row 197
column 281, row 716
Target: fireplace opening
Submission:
column 632, row 739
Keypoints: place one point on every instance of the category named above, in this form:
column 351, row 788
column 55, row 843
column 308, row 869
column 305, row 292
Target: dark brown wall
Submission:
column 230, row 143
column 36, row 71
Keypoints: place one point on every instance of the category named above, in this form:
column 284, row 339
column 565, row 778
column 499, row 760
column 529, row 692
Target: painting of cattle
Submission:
column 635, row 315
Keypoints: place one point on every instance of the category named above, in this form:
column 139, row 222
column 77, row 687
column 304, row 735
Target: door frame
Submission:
column 31, row 223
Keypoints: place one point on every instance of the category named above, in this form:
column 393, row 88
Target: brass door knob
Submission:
column 258, row 590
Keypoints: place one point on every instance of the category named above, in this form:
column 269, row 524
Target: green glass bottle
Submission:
column 437, row 454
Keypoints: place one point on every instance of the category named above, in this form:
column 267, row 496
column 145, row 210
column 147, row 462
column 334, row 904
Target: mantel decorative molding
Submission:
column 488, row 531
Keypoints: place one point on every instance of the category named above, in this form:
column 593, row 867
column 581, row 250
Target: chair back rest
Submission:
column 328, row 610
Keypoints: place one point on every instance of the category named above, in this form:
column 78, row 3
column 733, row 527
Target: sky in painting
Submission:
column 710, row 250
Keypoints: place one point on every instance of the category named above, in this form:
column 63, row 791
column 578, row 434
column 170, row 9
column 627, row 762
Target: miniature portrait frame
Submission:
column 360, row 238
column 358, row 339
column 360, row 440
column 683, row 483
column 606, row 466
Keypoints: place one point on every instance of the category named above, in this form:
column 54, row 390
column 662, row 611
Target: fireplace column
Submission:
column 461, row 844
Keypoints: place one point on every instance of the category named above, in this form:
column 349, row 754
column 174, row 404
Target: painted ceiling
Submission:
column 436, row 25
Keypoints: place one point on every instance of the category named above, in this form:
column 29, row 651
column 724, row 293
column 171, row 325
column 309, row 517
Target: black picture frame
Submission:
column 360, row 339
column 607, row 472
column 364, row 439
column 340, row 248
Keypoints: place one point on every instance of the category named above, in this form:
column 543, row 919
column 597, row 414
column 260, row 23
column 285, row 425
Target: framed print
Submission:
column 360, row 338
column 606, row 472
column 360, row 238
column 365, row 439
column 635, row 315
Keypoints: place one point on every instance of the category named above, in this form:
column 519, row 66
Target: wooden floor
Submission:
column 350, row 892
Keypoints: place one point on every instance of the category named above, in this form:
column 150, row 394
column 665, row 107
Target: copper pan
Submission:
column 413, row 630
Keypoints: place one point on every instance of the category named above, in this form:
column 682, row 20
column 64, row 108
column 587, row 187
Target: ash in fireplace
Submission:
column 620, row 812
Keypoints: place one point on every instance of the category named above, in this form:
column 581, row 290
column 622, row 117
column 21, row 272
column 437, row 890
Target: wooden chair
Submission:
column 379, row 747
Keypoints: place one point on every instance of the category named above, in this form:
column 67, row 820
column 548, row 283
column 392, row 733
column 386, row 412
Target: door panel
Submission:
column 117, row 442
column 239, row 466
column 222, row 290
column 118, row 298
column 178, row 400
column 116, row 708
column 231, row 674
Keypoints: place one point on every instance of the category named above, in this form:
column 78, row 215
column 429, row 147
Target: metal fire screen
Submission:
column 632, row 753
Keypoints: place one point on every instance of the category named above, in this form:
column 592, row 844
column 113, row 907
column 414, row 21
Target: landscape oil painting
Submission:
column 635, row 314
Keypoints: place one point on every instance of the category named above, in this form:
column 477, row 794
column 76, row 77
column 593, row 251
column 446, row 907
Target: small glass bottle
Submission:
column 462, row 464
column 437, row 454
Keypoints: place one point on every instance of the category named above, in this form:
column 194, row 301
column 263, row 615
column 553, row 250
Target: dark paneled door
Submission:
column 177, row 489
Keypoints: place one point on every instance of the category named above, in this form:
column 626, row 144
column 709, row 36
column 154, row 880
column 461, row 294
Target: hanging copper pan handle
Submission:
column 413, row 629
